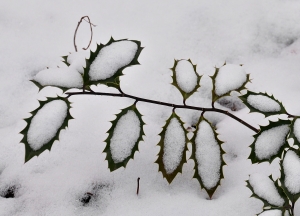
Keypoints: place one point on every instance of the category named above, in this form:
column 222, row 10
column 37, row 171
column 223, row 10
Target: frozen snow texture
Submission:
column 174, row 143
column 263, row 103
column 46, row 122
column 125, row 135
column 275, row 212
column 269, row 142
column 185, row 76
column 77, row 60
column 264, row 187
column 208, row 155
column 296, row 129
column 111, row 58
column 230, row 77
column 291, row 167
column 62, row 77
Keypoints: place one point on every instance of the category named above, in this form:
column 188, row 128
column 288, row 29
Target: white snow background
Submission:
column 261, row 35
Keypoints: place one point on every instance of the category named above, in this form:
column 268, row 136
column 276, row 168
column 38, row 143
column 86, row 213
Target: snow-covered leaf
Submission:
column 173, row 147
column 123, row 137
column 270, row 142
column 295, row 131
column 207, row 155
column 109, row 60
column 290, row 174
column 228, row 78
column 44, row 126
column 268, row 191
column 64, row 78
column 185, row 77
column 263, row 103
column 274, row 212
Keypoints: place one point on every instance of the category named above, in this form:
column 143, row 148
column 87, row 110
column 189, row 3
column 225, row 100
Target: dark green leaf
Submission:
column 29, row 151
column 112, row 164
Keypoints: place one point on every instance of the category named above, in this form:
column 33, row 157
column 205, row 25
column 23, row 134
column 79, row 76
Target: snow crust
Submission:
column 275, row 212
column 291, row 168
column 126, row 133
column 208, row 155
column 185, row 76
column 263, row 103
column 230, row 77
column 174, row 143
column 62, row 77
column 269, row 142
column 111, row 58
column 265, row 188
column 296, row 129
column 46, row 122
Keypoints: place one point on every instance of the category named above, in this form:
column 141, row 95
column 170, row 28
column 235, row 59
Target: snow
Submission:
column 263, row 103
column 269, row 142
column 208, row 155
column 77, row 60
column 296, row 129
column 174, row 143
column 46, row 122
column 111, row 58
column 261, row 35
column 185, row 76
column 275, row 212
column 125, row 135
column 265, row 188
column 291, row 168
column 230, row 77
column 61, row 77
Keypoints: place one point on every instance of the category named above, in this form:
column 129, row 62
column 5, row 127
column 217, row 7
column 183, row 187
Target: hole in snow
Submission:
column 9, row 192
column 96, row 194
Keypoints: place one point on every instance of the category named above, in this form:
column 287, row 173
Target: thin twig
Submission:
column 166, row 104
column 138, row 186
column 89, row 21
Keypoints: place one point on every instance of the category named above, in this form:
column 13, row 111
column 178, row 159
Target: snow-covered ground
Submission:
column 264, row 36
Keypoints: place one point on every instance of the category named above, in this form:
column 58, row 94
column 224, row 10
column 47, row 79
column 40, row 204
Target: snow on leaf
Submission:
column 77, row 61
column 228, row 78
column 270, row 142
column 44, row 126
column 295, row 132
column 108, row 61
column 264, row 188
column 123, row 137
column 173, row 147
column 185, row 77
column 64, row 78
column 291, row 171
column 263, row 103
column 207, row 155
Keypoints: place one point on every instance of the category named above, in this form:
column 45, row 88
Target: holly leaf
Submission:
column 263, row 103
column 270, row 141
column 123, row 137
column 208, row 156
column 222, row 81
column 173, row 147
column 44, row 126
column 185, row 77
column 108, row 61
column 295, row 129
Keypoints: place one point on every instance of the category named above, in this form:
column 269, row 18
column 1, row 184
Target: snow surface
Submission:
column 269, row 142
column 230, row 77
column 208, row 155
column 111, row 58
column 296, row 129
column 185, row 76
column 263, row 103
column 265, row 188
column 174, row 144
column 61, row 77
column 77, row 60
column 271, row 213
column 261, row 35
column 126, row 133
column 291, row 168
column 46, row 122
